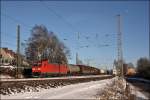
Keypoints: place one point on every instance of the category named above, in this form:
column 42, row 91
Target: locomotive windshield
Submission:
column 37, row 64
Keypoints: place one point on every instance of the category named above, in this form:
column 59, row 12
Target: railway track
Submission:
column 7, row 86
column 52, row 78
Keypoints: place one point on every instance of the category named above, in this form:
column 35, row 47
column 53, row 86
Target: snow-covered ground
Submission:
column 86, row 90
column 139, row 94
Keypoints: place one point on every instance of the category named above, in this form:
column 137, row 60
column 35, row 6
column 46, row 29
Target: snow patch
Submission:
column 5, row 76
column 7, row 66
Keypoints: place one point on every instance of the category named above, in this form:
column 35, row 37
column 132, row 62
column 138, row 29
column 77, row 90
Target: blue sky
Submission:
column 93, row 20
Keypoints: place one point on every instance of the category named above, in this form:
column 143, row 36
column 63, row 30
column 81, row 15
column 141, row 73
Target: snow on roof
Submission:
column 7, row 54
column 7, row 66
column 5, row 76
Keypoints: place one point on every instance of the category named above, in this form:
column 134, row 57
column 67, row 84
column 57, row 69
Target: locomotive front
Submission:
column 36, row 69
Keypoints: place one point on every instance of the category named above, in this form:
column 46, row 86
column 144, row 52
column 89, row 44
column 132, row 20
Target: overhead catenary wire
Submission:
column 8, row 35
column 62, row 18
column 4, row 39
column 79, row 35
column 59, row 16
column 15, row 20
column 8, row 43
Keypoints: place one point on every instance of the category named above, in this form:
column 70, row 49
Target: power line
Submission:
column 58, row 15
column 8, row 43
column 8, row 35
column 15, row 20
column 69, row 24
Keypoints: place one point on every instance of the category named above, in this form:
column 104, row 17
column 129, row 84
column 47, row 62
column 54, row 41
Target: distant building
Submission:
column 125, row 69
column 131, row 71
column 7, row 56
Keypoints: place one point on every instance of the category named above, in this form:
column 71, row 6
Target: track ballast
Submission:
column 9, row 85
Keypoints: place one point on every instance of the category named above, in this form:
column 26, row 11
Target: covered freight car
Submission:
column 87, row 70
column 73, row 69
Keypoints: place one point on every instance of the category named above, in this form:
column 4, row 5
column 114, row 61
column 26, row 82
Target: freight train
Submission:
column 46, row 69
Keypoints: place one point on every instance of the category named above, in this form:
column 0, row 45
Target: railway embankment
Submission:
column 12, row 86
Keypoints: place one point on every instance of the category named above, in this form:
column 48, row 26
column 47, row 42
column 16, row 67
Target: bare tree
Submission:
column 143, row 67
column 45, row 45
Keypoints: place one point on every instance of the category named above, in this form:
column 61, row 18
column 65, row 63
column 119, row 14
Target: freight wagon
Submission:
column 73, row 69
column 87, row 70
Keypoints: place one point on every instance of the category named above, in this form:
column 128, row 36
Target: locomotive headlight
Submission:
column 39, row 69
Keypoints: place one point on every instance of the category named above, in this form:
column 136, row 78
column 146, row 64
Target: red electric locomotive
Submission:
column 45, row 69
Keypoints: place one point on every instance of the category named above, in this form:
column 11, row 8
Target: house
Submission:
column 7, row 56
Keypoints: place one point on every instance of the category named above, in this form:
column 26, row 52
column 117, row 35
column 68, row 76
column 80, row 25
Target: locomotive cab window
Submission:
column 37, row 64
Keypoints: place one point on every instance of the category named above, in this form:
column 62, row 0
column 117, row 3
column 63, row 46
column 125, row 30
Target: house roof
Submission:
column 7, row 54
